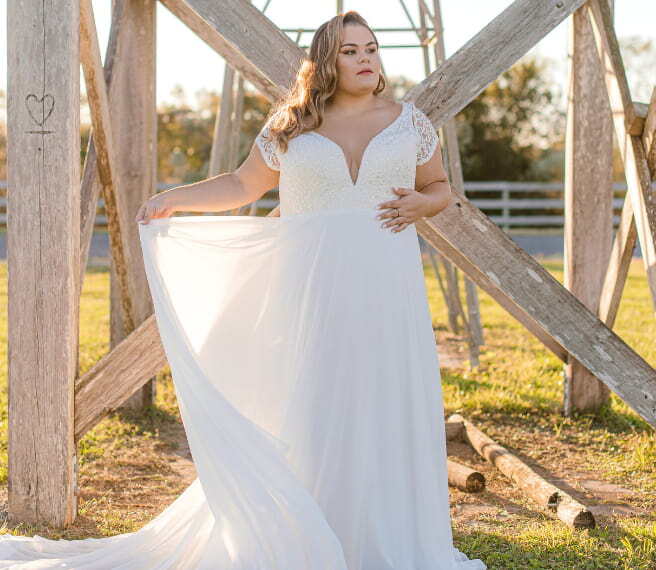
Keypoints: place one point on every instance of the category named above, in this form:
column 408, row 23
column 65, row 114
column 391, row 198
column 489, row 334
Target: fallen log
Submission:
column 455, row 430
column 465, row 478
column 568, row 509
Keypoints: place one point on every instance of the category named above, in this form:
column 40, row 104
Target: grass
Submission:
column 133, row 465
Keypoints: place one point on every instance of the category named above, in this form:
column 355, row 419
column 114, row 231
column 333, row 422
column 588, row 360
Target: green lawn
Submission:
column 129, row 468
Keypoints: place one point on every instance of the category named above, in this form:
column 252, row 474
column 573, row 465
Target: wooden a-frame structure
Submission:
column 51, row 214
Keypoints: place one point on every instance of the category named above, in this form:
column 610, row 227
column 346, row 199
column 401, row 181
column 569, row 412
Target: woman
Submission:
column 301, row 346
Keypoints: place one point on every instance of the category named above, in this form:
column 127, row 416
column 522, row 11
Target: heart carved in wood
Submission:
column 40, row 108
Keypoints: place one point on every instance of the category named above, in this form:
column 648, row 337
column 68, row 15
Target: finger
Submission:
column 391, row 213
column 400, row 228
column 389, row 204
column 402, row 191
column 395, row 221
column 390, row 221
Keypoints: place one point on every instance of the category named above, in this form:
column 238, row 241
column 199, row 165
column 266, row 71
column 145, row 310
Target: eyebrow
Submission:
column 371, row 42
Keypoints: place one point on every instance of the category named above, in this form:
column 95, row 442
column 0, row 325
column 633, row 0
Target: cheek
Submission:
column 344, row 66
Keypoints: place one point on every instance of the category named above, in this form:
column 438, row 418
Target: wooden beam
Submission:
column 136, row 151
column 118, row 375
column 631, row 146
column 618, row 266
column 478, row 276
column 91, row 184
column 649, row 135
column 488, row 54
column 588, row 197
column 456, row 178
column 43, row 208
column 106, row 160
column 246, row 39
column 627, row 235
column 222, row 125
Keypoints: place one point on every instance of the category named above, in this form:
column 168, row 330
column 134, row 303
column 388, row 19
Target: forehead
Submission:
column 356, row 34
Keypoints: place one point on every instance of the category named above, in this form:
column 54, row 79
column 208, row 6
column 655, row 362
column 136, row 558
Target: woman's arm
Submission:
column 223, row 192
column 432, row 181
column 432, row 194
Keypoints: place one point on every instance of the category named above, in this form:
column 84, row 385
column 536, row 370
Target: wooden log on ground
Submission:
column 465, row 478
column 568, row 509
column 455, row 430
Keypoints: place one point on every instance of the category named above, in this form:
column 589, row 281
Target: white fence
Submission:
column 508, row 204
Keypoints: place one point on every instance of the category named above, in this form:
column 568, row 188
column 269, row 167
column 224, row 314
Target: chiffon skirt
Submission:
column 306, row 372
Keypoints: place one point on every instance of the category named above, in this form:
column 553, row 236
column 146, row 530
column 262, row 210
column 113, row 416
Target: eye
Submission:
column 351, row 51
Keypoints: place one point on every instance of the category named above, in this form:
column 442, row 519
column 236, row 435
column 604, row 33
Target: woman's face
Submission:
column 358, row 51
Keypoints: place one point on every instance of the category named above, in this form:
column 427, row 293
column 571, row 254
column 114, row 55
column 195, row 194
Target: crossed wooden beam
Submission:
column 250, row 43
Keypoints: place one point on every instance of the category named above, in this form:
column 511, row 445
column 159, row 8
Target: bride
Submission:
column 301, row 346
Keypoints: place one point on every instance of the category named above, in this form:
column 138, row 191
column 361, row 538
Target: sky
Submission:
column 189, row 62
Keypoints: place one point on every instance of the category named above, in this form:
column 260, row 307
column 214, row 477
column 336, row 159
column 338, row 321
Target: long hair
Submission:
column 316, row 82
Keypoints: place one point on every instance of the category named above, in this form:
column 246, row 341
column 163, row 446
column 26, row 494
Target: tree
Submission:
column 509, row 128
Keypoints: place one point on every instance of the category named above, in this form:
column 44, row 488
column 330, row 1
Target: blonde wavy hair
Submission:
column 316, row 82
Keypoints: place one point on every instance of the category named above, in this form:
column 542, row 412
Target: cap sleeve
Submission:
column 427, row 138
column 268, row 147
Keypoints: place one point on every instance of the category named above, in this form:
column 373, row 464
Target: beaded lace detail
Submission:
column 428, row 138
column 314, row 173
column 267, row 146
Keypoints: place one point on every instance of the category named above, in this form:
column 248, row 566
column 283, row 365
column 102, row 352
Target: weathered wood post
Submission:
column 43, row 235
column 588, row 197
column 134, row 122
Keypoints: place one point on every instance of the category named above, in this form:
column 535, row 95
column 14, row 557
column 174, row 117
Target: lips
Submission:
column 365, row 71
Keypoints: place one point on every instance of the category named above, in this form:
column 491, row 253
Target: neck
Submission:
column 354, row 103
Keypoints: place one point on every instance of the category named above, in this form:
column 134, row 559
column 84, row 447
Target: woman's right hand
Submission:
column 157, row 206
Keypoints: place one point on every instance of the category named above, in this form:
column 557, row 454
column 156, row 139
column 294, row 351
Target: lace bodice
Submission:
column 314, row 173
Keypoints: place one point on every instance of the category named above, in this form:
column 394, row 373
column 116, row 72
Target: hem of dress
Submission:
column 465, row 563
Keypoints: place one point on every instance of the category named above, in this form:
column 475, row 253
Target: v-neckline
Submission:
column 354, row 183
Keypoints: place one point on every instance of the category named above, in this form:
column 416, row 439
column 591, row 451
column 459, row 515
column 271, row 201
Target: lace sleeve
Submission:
column 427, row 138
column 267, row 147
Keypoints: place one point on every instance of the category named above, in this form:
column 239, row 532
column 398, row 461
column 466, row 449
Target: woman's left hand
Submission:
column 411, row 206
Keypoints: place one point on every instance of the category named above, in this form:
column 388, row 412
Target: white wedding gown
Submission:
column 306, row 371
